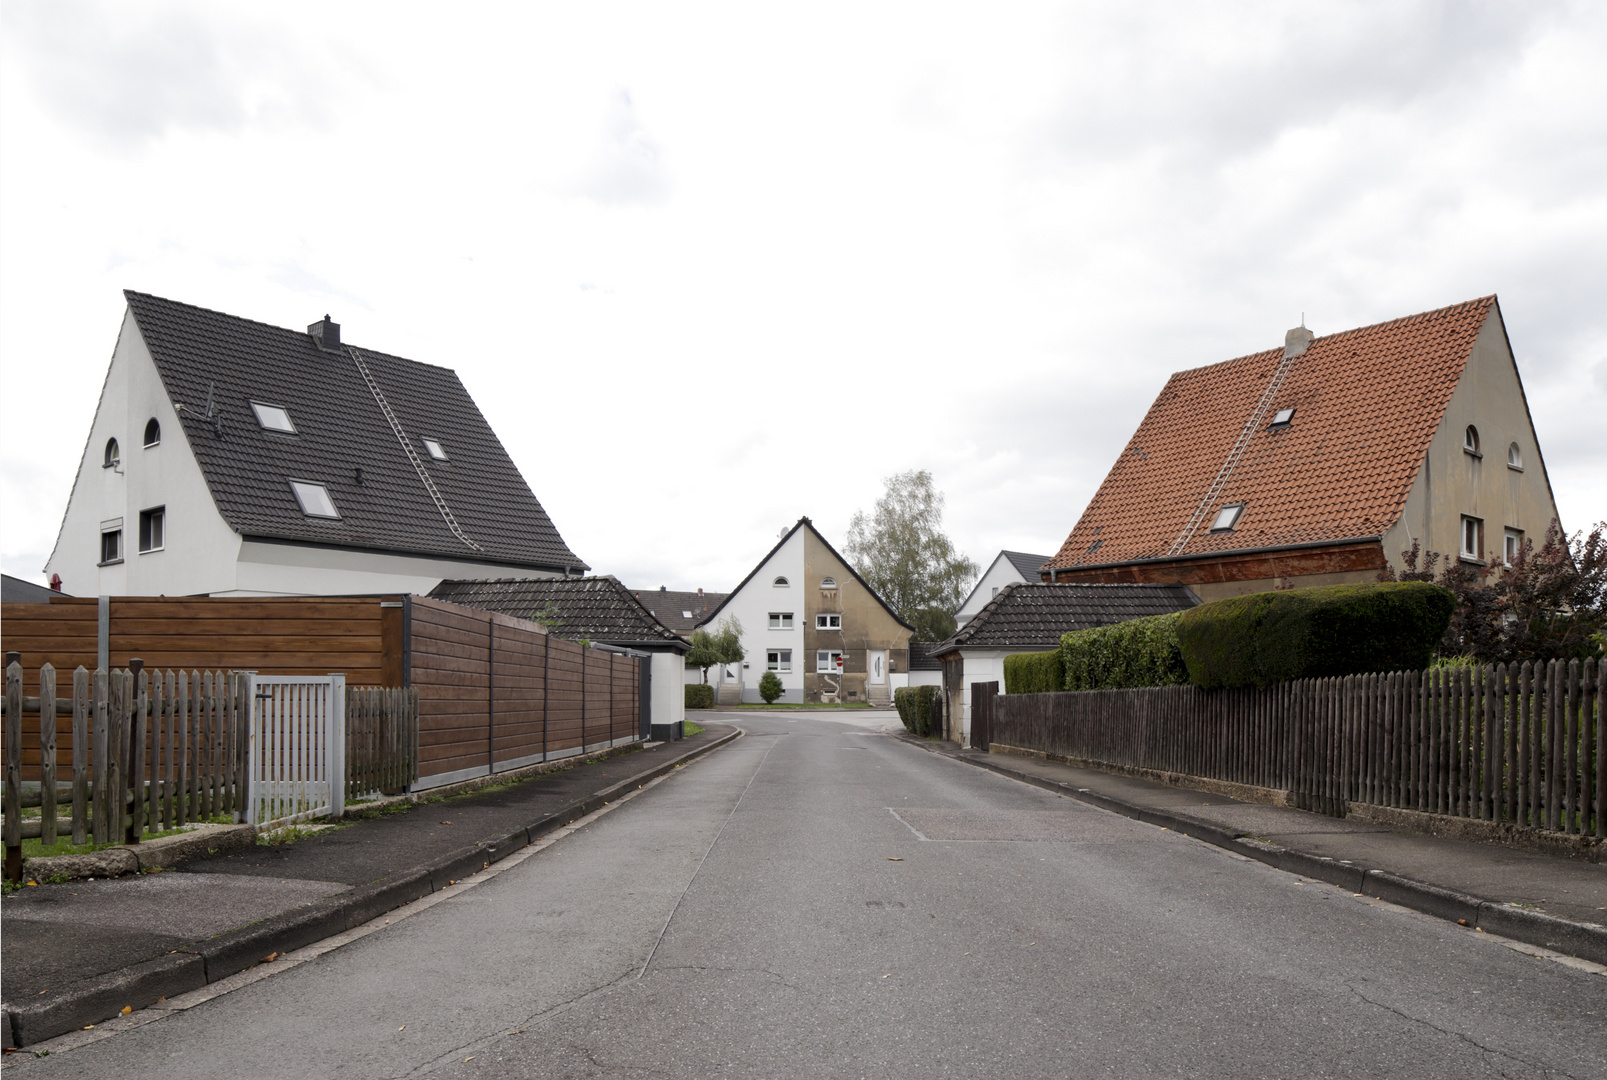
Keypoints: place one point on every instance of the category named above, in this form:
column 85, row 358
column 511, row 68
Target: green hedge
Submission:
column 1272, row 637
column 1140, row 652
column 699, row 696
column 1034, row 673
column 918, row 707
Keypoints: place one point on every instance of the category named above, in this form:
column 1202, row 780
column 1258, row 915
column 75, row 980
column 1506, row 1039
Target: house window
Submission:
column 1514, row 458
column 1227, row 517
column 778, row 660
column 828, row 583
column 153, row 529
column 1511, row 546
column 780, row 583
column 995, row 590
column 112, row 455
column 153, row 432
column 828, row 622
column 1470, row 440
column 1282, row 418
column 781, row 620
column 686, row 614
column 828, row 662
column 435, row 449
column 1472, row 538
column 273, row 418
column 111, row 546
column 314, row 499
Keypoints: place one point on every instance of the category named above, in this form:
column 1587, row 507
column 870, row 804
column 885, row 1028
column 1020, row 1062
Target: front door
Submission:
column 877, row 666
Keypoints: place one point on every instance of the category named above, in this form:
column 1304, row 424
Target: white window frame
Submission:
column 303, row 498
column 1283, row 417
column 778, row 660
column 148, row 442
column 828, row 662
column 1511, row 545
column 828, row 622
column 828, row 583
column 781, row 620
column 434, row 448
column 112, row 455
column 1470, row 441
column 158, row 515
column 117, row 557
column 1471, row 538
column 1227, row 518
column 1515, row 457
column 257, row 408
column 780, row 583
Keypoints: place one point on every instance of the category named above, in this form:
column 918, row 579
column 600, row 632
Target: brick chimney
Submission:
column 326, row 334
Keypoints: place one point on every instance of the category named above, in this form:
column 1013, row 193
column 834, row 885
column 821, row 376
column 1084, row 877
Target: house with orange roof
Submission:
column 1322, row 462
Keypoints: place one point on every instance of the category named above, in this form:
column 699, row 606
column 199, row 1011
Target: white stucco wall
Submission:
column 269, row 569
column 981, row 665
column 668, row 694
column 1000, row 572
column 752, row 605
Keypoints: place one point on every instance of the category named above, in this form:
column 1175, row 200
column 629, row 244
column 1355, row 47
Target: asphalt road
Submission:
column 820, row 900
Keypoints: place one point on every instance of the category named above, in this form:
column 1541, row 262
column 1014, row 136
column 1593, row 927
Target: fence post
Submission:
column 253, row 748
column 136, row 766
column 47, row 755
column 13, row 796
column 337, row 745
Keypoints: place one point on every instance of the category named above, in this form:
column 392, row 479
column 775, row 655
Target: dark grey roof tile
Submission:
column 1033, row 615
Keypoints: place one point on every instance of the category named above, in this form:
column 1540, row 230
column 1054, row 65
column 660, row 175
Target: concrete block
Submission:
column 10, row 1032
column 1346, row 875
column 371, row 901
column 208, row 840
column 91, row 1001
column 1421, row 897
column 239, row 949
column 1260, row 850
column 1588, row 941
column 1209, row 831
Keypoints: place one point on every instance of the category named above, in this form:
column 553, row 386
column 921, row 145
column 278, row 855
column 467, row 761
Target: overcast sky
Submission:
column 708, row 269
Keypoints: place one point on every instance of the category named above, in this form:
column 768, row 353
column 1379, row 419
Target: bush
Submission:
column 1139, row 652
column 1034, row 673
column 770, row 687
column 699, row 696
column 1313, row 633
column 918, row 708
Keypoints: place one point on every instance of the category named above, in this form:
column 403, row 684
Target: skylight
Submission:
column 1227, row 517
column 273, row 418
column 314, row 499
column 435, row 449
column 1283, row 416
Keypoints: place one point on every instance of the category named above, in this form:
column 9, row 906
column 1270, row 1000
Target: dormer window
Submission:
column 153, row 432
column 112, row 456
column 273, row 417
column 1470, row 441
column 1227, row 517
column 1514, row 458
column 780, row 583
column 828, row 583
column 314, row 499
column 1282, row 418
column 435, row 449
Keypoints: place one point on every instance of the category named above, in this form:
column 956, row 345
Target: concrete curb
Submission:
column 1588, row 941
column 162, row 853
column 90, row 1001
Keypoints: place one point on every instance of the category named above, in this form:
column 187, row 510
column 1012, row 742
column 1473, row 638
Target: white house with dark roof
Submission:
column 1007, row 568
column 232, row 458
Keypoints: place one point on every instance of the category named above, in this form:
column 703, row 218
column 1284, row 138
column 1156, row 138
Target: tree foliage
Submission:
column 770, row 687
column 901, row 551
column 933, row 624
column 1550, row 604
column 722, row 646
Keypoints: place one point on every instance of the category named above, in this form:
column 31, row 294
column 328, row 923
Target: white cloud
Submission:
column 626, row 163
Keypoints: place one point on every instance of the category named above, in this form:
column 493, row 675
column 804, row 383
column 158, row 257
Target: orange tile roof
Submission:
column 1366, row 402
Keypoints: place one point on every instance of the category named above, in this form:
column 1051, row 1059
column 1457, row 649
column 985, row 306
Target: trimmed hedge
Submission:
column 699, row 696
column 1034, row 672
column 1332, row 630
column 1139, row 652
column 918, row 707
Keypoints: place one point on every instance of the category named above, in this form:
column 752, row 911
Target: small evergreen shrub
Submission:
column 1035, row 673
column 1139, row 652
column 699, row 696
column 1331, row 630
column 918, row 708
column 770, row 687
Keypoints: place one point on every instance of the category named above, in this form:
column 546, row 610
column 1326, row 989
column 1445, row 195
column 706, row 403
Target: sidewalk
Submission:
column 77, row 953
column 1537, row 899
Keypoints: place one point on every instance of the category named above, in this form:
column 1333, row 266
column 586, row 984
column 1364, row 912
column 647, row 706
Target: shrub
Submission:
column 1139, row 652
column 770, row 687
column 1034, row 673
column 699, row 696
column 1311, row 633
column 918, row 708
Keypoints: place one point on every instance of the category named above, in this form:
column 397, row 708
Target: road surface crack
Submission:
column 1463, row 1036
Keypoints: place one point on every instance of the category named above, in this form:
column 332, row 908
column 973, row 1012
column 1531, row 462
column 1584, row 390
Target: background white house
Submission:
column 1007, row 568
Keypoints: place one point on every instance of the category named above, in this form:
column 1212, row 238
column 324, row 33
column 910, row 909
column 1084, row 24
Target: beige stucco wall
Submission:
column 1451, row 482
column 866, row 625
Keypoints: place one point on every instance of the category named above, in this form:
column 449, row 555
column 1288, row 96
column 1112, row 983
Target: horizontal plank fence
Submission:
column 1523, row 743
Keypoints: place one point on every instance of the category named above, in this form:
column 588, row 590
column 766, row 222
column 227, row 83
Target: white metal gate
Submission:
column 297, row 751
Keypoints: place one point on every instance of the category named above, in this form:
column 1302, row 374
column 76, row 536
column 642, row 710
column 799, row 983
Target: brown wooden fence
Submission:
column 381, row 740
column 1525, row 744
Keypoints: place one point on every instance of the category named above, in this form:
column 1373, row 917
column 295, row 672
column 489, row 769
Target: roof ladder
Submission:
column 407, row 448
column 1221, row 481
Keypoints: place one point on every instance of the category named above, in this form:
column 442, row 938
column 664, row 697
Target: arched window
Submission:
column 781, row 583
column 1470, row 439
column 828, row 583
column 1514, row 457
column 153, row 432
column 113, row 455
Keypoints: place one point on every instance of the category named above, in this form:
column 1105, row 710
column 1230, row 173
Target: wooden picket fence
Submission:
column 1522, row 743
column 381, row 740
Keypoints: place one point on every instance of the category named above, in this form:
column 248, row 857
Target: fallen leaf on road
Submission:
column 402, row 1028
column 270, row 958
column 895, row 858
column 469, row 1058
column 889, row 975
column 446, row 823
column 126, row 1009
column 1461, row 922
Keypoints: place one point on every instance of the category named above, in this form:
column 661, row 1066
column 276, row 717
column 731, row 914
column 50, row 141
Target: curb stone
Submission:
column 92, row 1000
column 1588, row 941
